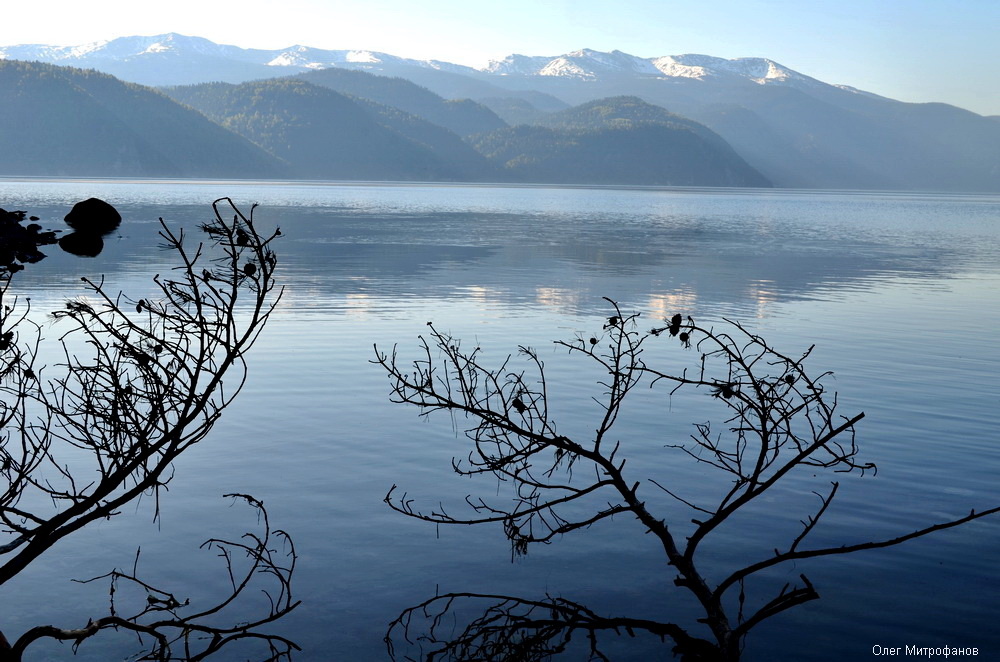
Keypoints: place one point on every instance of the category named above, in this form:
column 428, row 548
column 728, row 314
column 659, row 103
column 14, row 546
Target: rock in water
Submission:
column 93, row 216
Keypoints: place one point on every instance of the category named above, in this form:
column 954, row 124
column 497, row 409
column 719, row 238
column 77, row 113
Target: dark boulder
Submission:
column 19, row 243
column 93, row 216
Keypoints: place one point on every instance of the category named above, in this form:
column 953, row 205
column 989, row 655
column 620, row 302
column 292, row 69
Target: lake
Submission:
column 900, row 293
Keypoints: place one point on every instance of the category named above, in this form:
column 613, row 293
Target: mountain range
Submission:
column 791, row 129
column 166, row 59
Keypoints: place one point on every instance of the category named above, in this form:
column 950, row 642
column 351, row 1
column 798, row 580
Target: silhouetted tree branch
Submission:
column 158, row 617
column 140, row 382
column 778, row 416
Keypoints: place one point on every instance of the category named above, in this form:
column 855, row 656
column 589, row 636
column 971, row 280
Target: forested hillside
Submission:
column 620, row 140
column 462, row 116
column 323, row 134
column 60, row 121
column 63, row 121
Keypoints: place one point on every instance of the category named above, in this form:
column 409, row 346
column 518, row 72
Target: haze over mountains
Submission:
column 736, row 122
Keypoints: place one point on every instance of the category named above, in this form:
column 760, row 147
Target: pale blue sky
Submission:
column 913, row 50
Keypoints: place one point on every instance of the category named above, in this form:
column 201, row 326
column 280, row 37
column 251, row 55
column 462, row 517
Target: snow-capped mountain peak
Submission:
column 587, row 64
column 160, row 55
column 48, row 53
column 584, row 64
column 518, row 65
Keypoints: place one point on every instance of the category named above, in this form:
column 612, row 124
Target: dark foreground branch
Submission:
column 170, row 629
column 777, row 416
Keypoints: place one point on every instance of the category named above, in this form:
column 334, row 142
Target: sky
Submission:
column 911, row 50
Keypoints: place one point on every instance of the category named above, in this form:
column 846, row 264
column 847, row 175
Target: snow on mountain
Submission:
column 674, row 66
column 123, row 48
column 46, row 53
column 315, row 58
column 587, row 64
column 584, row 64
column 177, row 46
column 515, row 64
column 758, row 70
column 172, row 43
column 445, row 66
column 365, row 56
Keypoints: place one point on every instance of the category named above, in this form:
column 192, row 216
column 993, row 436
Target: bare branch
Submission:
column 777, row 416
column 140, row 382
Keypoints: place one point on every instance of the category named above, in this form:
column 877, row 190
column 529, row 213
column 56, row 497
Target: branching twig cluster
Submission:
column 160, row 620
column 140, row 382
column 779, row 416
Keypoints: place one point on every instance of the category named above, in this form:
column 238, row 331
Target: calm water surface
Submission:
column 900, row 294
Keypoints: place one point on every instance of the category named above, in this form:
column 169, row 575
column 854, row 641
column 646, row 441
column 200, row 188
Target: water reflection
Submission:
column 569, row 260
column 366, row 264
column 82, row 244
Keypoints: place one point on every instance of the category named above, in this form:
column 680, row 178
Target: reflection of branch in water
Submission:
column 159, row 616
column 777, row 417
column 517, row 629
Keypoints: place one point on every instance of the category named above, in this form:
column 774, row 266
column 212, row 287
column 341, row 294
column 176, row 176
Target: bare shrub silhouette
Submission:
column 778, row 417
column 140, row 382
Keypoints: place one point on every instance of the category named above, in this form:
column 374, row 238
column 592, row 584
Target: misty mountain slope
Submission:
column 173, row 59
column 445, row 144
column 160, row 69
column 945, row 145
column 543, row 102
column 64, row 121
column 863, row 142
column 797, row 130
column 707, row 154
column 463, row 83
column 782, row 158
column 817, row 135
column 623, row 111
column 513, row 111
column 639, row 153
column 801, row 142
column 628, row 111
column 322, row 134
column 464, row 117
